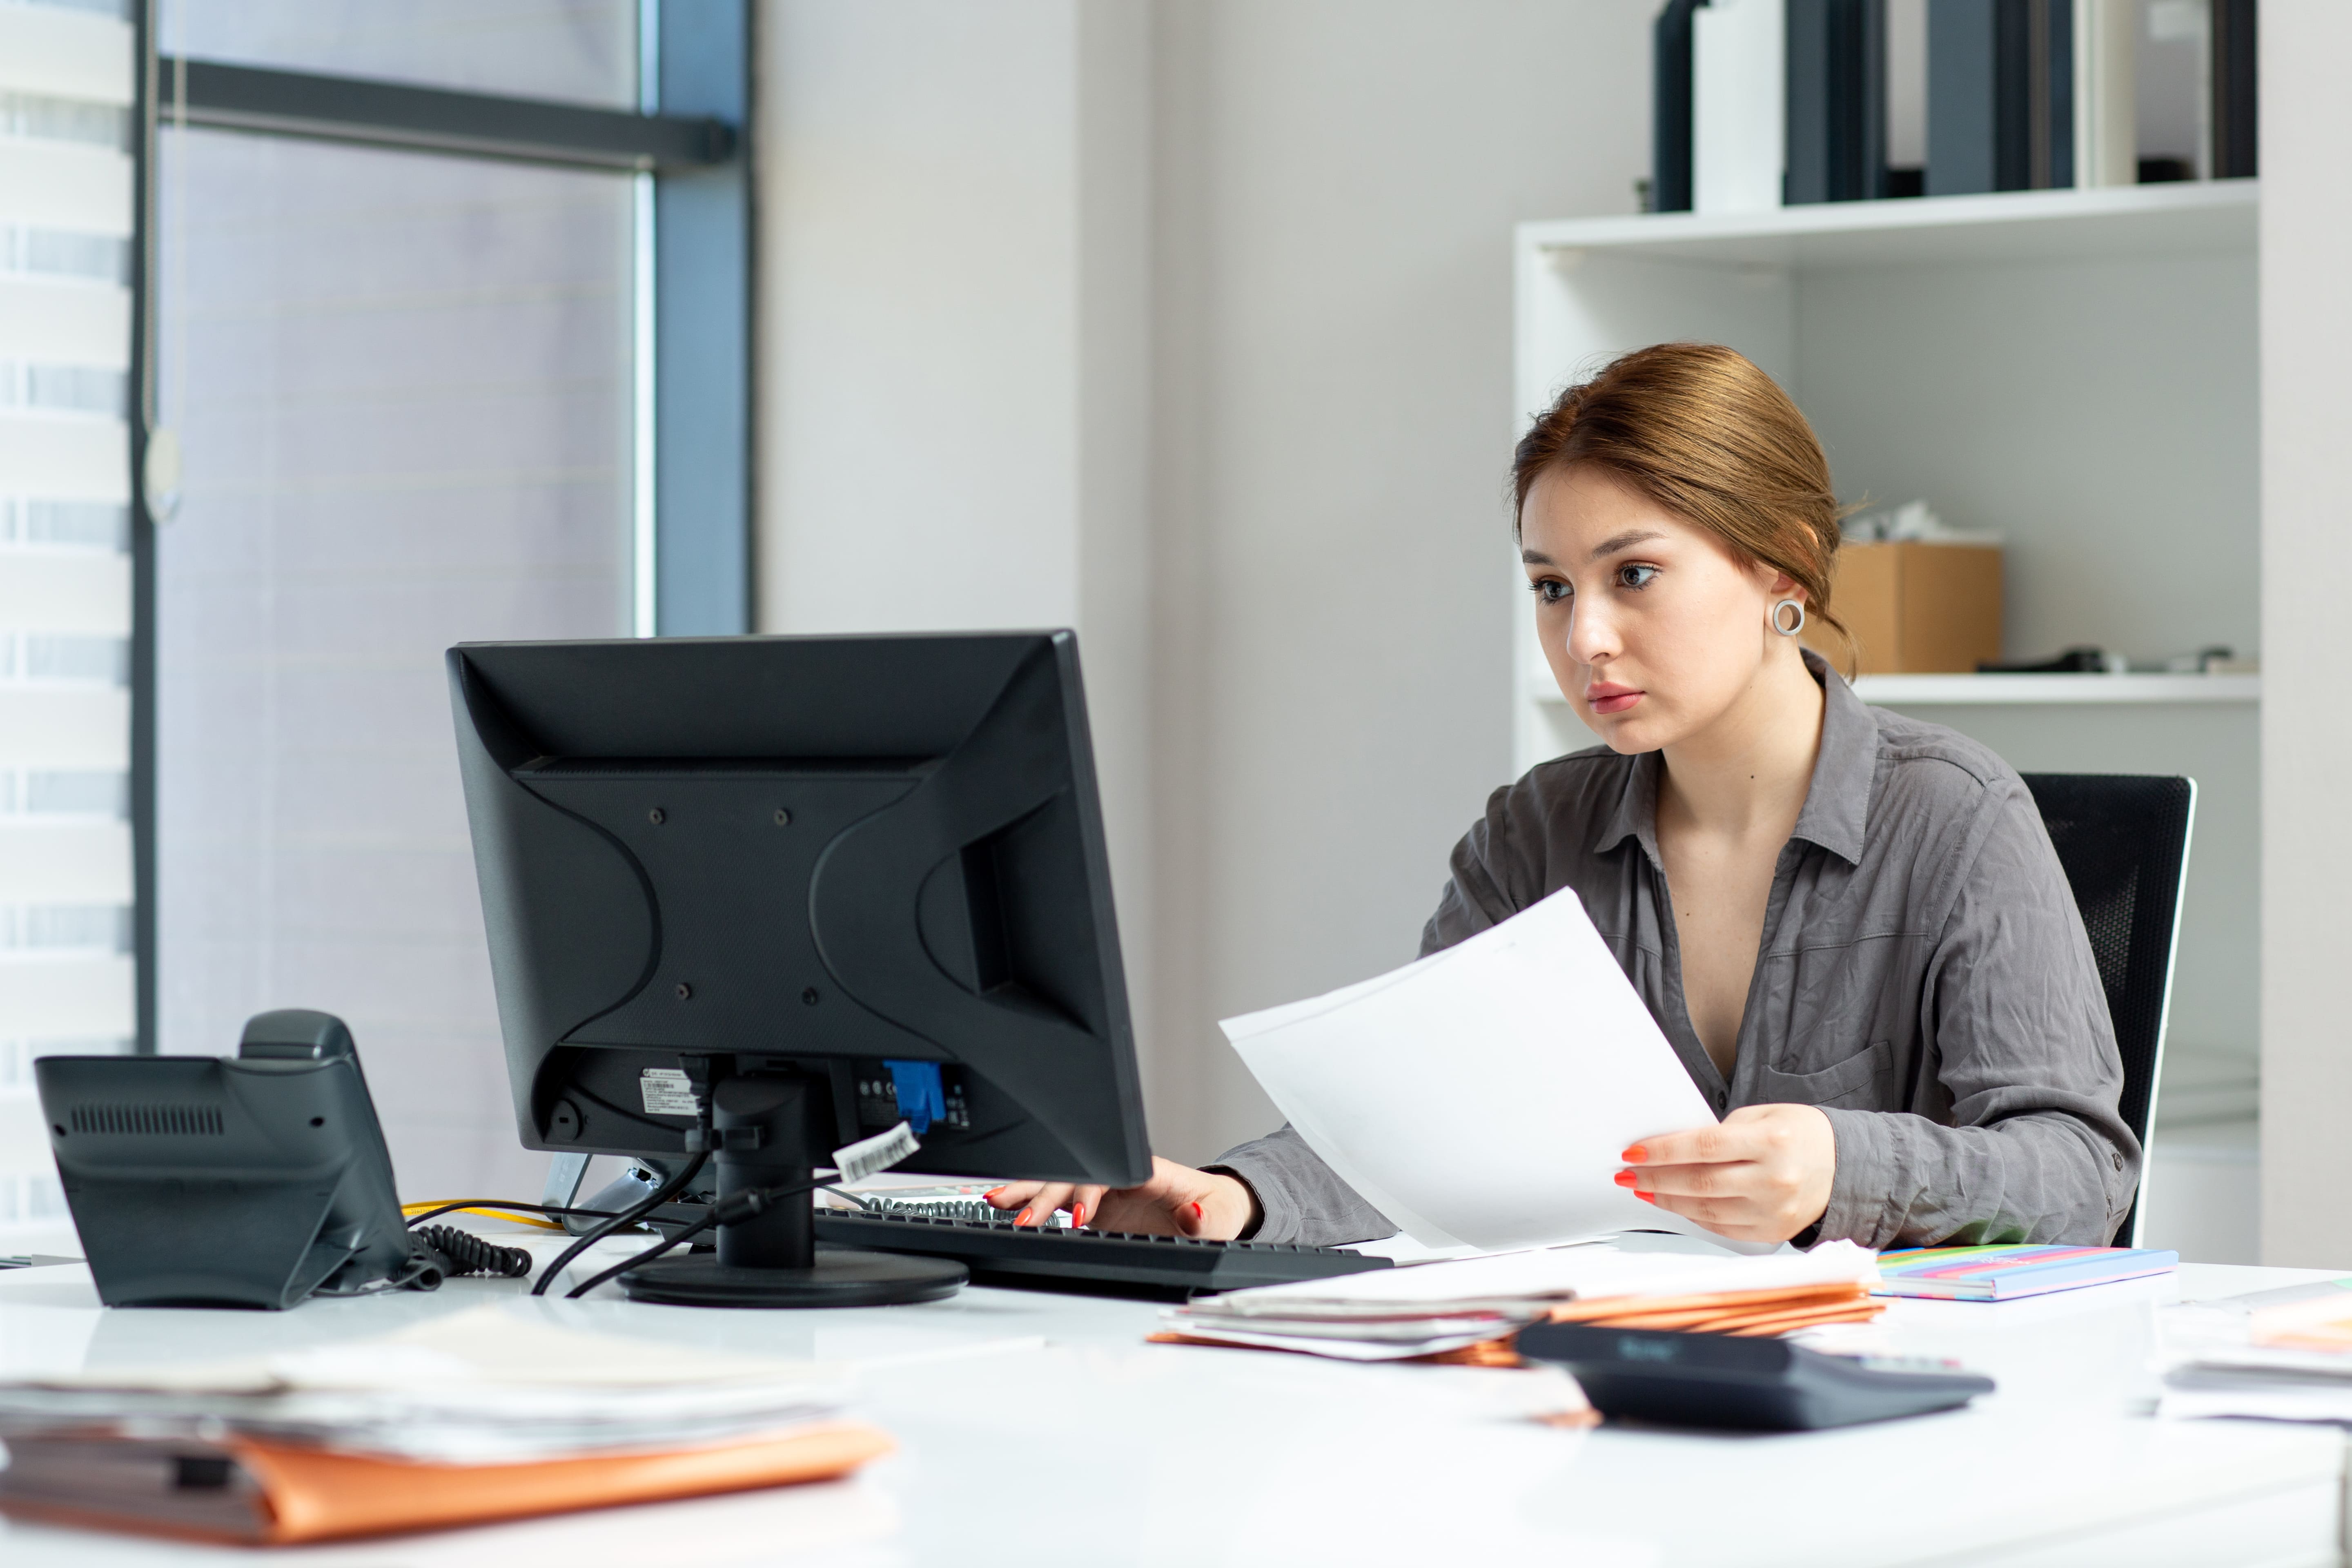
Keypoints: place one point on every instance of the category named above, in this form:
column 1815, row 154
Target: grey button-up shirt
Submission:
column 1924, row 978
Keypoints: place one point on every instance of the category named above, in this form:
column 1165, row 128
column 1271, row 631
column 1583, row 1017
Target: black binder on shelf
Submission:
column 2001, row 95
column 1670, row 107
column 1836, row 65
column 2235, row 120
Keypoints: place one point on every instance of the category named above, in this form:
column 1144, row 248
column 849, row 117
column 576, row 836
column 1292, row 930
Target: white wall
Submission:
column 1020, row 257
column 1337, row 183
column 2307, row 335
column 918, row 315
column 954, row 324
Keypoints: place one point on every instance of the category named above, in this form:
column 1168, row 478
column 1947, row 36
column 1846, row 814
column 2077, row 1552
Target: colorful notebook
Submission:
column 2005, row 1273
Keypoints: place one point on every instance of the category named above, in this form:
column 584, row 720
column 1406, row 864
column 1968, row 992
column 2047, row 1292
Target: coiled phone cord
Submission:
column 463, row 1252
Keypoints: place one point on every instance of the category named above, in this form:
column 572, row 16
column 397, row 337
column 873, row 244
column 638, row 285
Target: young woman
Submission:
column 1850, row 925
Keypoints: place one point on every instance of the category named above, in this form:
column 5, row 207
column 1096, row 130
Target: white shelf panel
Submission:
column 2020, row 690
column 2017, row 690
column 2013, row 225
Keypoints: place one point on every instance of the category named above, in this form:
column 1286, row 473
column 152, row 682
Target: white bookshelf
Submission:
column 2014, row 225
column 2075, row 370
column 2015, row 690
column 2029, row 690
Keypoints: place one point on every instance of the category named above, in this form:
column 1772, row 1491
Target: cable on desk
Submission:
column 630, row 1215
column 729, row 1210
column 461, row 1252
column 417, row 1214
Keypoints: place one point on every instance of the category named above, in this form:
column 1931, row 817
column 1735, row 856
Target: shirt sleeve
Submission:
column 1300, row 1199
column 2036, row 1149
column 1479, row 890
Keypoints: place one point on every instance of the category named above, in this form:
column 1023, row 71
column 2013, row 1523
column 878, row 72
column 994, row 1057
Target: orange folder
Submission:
column 276, row 1494
column 1751, row 1312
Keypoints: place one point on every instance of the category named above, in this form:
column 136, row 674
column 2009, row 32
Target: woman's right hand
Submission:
column 1176, row 1201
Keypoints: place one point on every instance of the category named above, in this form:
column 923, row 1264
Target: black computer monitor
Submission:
column 805, row 886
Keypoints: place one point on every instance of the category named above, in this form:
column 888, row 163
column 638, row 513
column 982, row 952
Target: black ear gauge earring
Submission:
column 1781, row 621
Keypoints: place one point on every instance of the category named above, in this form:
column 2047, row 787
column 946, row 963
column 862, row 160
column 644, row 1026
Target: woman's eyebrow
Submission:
column 1534, row 558
column 1626, row 540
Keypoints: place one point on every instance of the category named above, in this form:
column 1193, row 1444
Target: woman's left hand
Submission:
column 1760, row 1174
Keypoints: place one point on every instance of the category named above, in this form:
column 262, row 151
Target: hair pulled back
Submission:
column 1701, row 431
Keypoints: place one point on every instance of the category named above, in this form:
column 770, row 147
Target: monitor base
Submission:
column 840, row 1277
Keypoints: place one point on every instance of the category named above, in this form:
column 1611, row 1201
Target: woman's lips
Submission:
column 1604, row 697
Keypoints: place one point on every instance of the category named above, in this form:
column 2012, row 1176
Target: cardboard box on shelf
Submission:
column 1914, row 606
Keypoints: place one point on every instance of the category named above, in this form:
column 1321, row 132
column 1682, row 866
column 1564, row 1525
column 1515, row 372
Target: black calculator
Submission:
column 1754, row 1385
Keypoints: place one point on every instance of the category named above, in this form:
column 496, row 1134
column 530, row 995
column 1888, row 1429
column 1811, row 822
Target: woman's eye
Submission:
column 1632, row 576
column 1550, row 590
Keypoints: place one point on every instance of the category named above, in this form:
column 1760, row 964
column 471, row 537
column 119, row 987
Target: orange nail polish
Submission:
column 1196, row 1211
column 1077, row 1215
column 1624, row 1178
column 1646, row 1198
column 1021, row 1218
column 1635, row 1156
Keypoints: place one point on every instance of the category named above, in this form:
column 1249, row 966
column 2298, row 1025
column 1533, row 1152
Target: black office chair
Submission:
column 2124, row 841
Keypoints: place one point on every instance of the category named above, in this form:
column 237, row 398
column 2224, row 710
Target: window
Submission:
column 403, row 389
column 584, row 51
column 403, row 322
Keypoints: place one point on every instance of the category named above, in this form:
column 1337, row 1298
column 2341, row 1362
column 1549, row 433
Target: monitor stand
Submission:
column 763, row 1121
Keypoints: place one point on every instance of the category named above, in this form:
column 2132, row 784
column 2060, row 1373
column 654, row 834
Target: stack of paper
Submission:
column 480, row 1386
column 1433, row 1309
column 481, row 1414
column 2279, row 1355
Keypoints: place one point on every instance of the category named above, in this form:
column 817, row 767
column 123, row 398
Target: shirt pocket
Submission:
column 1860, row 1082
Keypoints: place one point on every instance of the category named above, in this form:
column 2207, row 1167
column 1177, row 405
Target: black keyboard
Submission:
column 1100, row 1262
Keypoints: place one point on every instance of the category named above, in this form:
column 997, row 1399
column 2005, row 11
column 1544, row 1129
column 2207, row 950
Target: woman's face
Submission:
column 1653, row 628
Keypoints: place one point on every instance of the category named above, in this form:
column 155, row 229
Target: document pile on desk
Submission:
column 1455, row 1304
column 1482, row 1095
column 486, row 1414
column 2277, row 1355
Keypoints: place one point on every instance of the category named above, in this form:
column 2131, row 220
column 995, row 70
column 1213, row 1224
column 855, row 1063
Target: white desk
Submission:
column 1074, row 1442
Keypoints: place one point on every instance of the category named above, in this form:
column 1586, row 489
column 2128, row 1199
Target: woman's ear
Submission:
column 1782, row 586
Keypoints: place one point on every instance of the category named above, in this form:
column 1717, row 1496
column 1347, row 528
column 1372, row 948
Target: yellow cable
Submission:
column 531, row 1219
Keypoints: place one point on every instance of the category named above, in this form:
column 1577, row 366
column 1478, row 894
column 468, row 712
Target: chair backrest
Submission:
column 2124, row 841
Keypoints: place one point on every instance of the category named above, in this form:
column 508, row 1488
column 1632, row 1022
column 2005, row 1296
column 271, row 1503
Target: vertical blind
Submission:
column 65, row 981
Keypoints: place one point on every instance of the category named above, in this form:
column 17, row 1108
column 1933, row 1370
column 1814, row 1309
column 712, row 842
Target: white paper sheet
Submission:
column 1344, row 1350
column 1499, row 1281
column 1480, row 1096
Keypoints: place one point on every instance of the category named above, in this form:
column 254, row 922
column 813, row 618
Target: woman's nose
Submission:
column 1590, row 636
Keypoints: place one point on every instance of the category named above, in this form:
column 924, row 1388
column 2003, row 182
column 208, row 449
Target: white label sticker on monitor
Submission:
column 666, row 1092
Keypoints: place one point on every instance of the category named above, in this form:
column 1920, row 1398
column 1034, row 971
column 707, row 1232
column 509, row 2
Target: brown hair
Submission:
column 1700, row 430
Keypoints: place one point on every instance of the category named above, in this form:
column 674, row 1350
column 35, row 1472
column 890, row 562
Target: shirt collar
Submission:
column 1635, row 815
column 1837, row 803
column 1836, row 814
